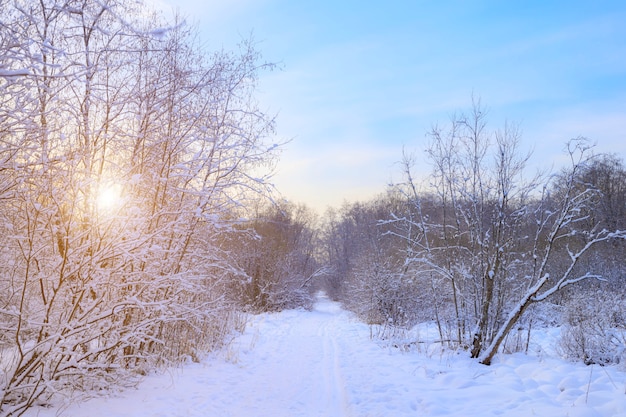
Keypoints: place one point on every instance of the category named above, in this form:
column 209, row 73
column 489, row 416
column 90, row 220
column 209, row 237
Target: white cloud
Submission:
column 350, row 100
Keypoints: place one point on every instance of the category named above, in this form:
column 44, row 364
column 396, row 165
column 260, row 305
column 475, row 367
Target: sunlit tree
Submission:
column 126, row 152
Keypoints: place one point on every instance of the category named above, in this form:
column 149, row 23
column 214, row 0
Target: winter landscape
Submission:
column 323, row 363
column 150, row 266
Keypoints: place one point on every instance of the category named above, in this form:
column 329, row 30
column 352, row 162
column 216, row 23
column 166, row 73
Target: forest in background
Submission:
column 138, row 226
column 487, row 252
column 484, row 248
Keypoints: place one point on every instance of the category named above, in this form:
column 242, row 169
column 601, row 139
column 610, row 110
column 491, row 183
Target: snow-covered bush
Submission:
column 380, row 294
column 367, row 272
column 594, row 328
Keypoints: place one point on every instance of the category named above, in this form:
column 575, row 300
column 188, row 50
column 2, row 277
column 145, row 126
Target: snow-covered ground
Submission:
column 323, row 363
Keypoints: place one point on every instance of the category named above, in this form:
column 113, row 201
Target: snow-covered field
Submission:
column 322, row 363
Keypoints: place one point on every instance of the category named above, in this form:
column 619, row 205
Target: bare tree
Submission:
column 563, row 234
column 499, row 234
column 277, row 257
column 124, row 158
column 366, row 273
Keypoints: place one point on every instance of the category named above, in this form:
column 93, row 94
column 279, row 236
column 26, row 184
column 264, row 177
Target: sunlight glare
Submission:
column 109, row 197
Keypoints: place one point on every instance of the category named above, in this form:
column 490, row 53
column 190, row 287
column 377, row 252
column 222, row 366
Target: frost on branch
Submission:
column 492, row 239
column 98, row 288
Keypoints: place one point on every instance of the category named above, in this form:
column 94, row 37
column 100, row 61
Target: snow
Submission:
column 323, row 363
column 6, row 73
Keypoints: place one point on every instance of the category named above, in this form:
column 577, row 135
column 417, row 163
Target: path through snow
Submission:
column 322, row 364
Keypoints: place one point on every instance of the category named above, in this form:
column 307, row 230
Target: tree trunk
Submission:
column 513, row 318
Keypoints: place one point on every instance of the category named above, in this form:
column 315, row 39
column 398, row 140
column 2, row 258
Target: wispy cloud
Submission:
column 359, row 83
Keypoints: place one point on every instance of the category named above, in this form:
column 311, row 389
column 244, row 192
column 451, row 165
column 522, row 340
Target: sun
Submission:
column 109, row 197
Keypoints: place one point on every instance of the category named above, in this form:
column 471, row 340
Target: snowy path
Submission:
column 323, row 364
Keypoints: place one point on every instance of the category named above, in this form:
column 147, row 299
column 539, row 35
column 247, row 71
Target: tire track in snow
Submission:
column 336, row 396
column 322, row 364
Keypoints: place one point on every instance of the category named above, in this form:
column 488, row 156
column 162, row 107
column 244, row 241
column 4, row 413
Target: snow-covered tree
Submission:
column 277, row 257
column 365, row 271
column 502, row 239
column 125, row 150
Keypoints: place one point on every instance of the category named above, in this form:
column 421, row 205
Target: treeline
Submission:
column 485, row 249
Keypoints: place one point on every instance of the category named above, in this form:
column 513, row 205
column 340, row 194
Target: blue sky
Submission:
column 360, row 80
